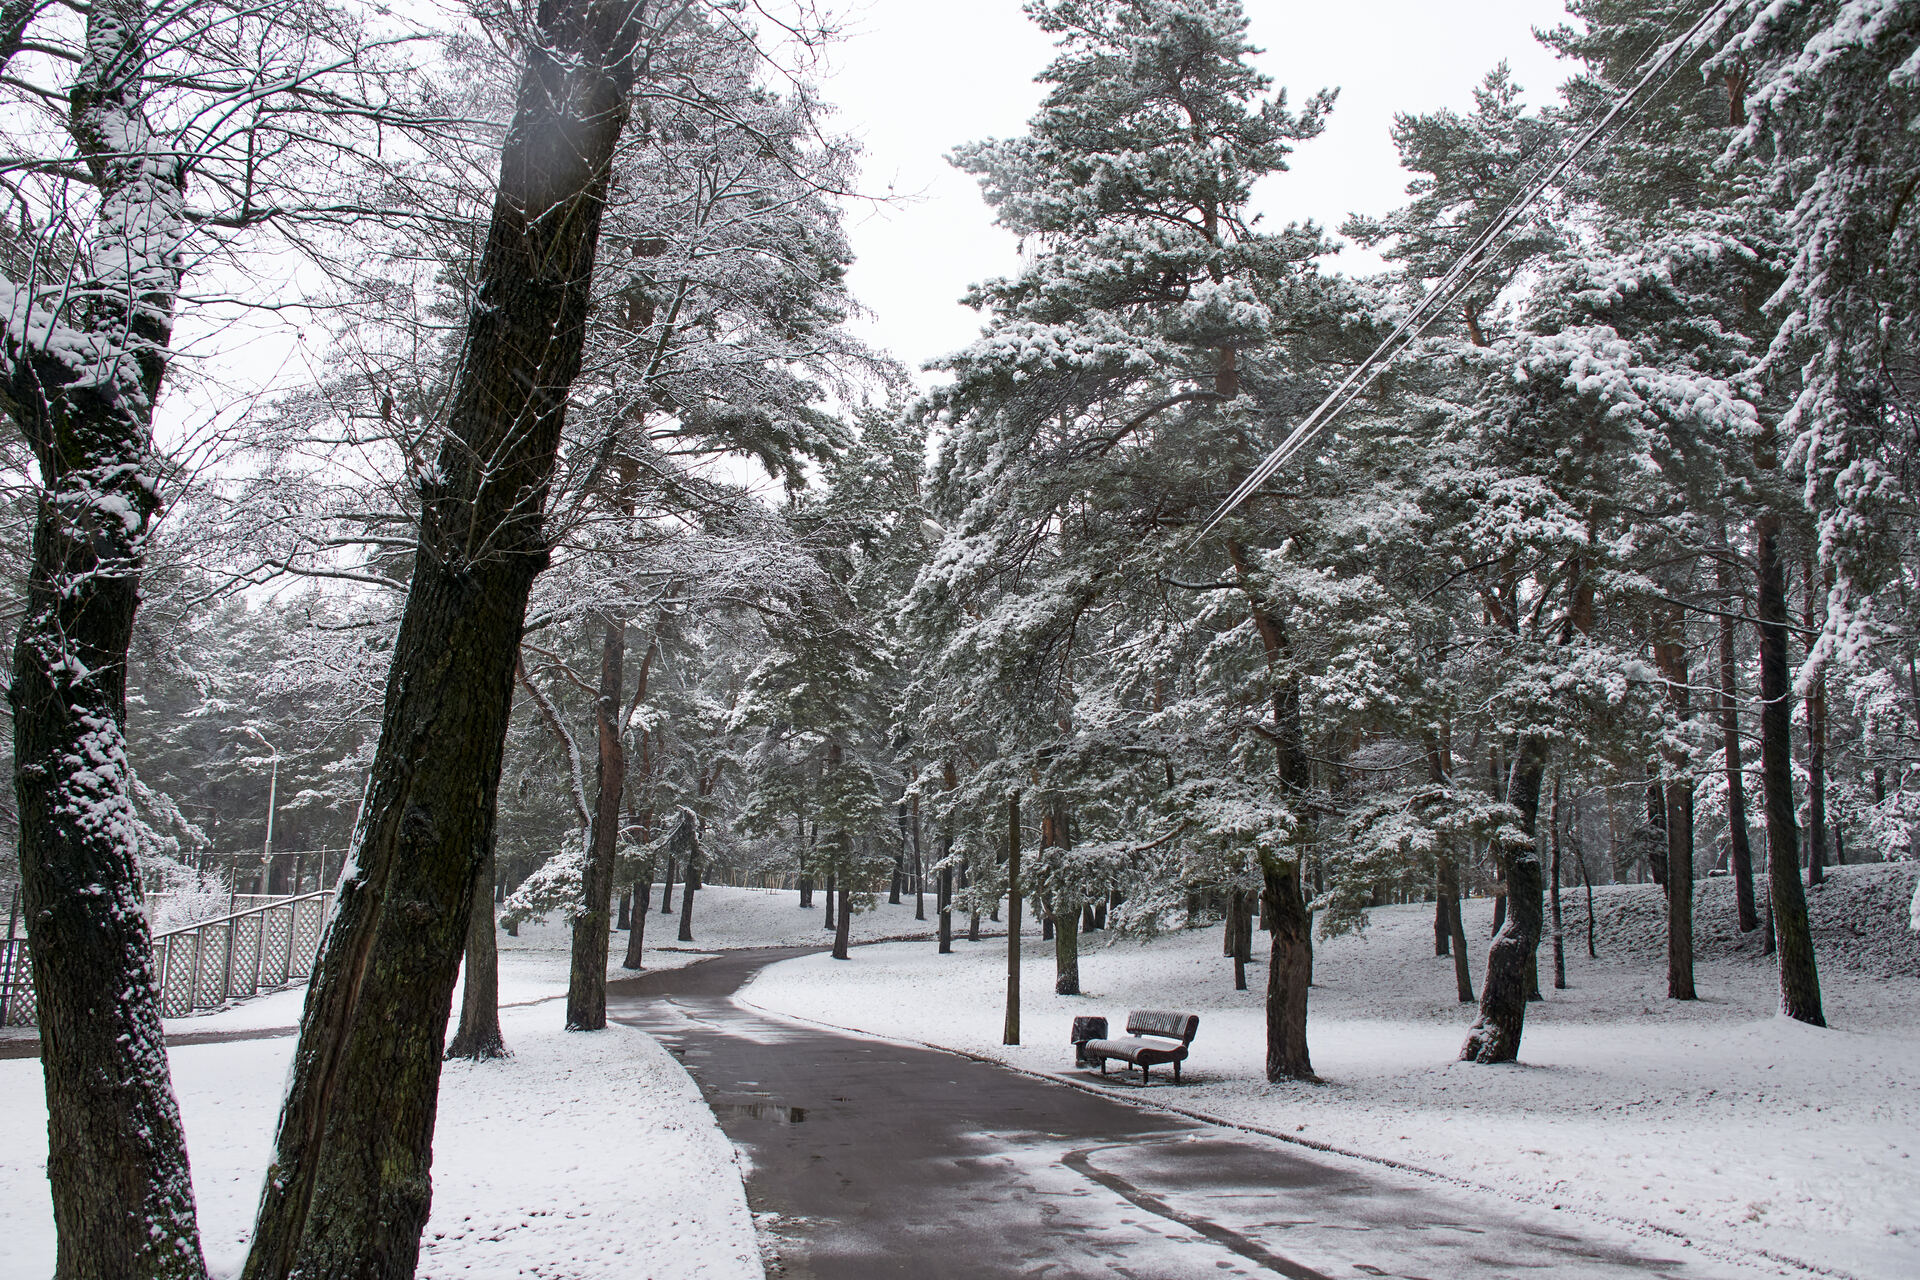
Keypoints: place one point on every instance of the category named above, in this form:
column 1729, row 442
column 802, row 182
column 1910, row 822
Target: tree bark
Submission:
column 347, row 1191
column 1066, row 947
column 1495, row 1035
column 637, row 936
column 1010, row 1030
column 689, row 885
column 587, row 976
column 1240, row 926
column 843, row 925
column 478, row 1035
column 1289, row 975
column 1442, row 927
column 1816, row 749
column 832, row 920
column 1799, row 977
column 1462, row 966
column 919, row 868
column 116, row 1156
column 623, row 917
column 1739, row 844
column 1559, row 931
column 1677, row 793
column 666, row 890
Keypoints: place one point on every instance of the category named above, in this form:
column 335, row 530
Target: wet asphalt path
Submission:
column 869, row 1159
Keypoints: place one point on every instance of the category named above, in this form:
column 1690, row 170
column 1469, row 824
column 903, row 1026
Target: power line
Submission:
column 1465, row 270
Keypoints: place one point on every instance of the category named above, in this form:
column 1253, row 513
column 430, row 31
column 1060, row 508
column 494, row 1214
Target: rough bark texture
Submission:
column 347, row 1192
column 843, row 923
column 1553, row 882
column 1289, row 975
column 1010, row 1030
column 1815, row 751
column 1066, row 949
column 1442, row 931
column 1793, row 939
column 1677, row 795
column 1739, row 844
column 117, row 1161
column 1495, row 1035
column 478, row 1035
column 1456, row 925
column 587, row 977
column 1240, row 923
column 689, row 887
column 637, row 937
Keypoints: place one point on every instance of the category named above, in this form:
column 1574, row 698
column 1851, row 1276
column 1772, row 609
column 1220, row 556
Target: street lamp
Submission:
column 273, row 794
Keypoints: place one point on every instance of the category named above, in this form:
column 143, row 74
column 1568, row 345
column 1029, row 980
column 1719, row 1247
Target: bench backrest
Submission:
column 1163, row 1022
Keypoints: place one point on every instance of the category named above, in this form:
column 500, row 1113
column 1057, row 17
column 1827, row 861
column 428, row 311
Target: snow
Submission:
column 582, row 1156
column 1716, row 1120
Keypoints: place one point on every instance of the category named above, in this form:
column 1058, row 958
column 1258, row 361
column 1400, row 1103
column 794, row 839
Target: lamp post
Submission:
column 273, row 795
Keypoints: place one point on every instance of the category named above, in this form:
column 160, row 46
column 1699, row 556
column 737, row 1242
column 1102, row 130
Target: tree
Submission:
column 178, row 134
column 346, row 1192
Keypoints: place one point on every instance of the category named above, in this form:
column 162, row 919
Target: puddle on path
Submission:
column 777, row 1112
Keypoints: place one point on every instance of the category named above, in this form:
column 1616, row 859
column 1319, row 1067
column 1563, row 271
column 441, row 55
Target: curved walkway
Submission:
column 866, row 1158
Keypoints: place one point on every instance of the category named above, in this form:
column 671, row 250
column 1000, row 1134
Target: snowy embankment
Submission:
column 580, row 1157
column 1716, row 1119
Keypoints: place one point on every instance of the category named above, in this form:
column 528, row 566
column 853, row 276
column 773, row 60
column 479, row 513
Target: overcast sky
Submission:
column 917, row 77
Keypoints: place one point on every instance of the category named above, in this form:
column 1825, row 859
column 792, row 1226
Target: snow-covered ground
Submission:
column 582, row 1157
column 1716, row 1119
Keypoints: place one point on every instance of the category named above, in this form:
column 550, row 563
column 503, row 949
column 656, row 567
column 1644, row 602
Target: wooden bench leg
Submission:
column 1176, row 1073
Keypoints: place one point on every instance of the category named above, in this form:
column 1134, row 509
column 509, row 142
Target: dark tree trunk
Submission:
column 666, row 889
column 919, row 868
column 116, row 1158
column 1046, row 925
column 1799, row 978
column 1240, row 926
column 899, row 861
column 843, row 925
column 637, row 938
column 1289, row 975
column 1495, row 1036
column 806, row 893
column 1499, row 910
column 1677, row 795
column 689, row 886
column 1740, row 848
column 587, row 977
column 1442, row 925
column 1010, row 1029
column 478, row 1035
column 347, row 1192
column 1462, row 965
column 943, row 903
column 1559, row 931
column 623, row 918
column 1066, row 948
column 1816, row 750
column 1290, row 971
column 832, row 920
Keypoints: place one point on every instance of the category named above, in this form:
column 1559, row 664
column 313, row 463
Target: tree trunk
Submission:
column 1593, row 949
column 689, row 885
column 478, row 1035
column 1740, row 848
column 116, row 1158
column 347, row 1192
column 919, row 868
column 1499, row 910
column 587, row 976
column 1816, row 750
column 1799, row 978
column 1240, row 930
column 943, row 902
column 1559, row 932
column 1066, row 948
column 843, row 926
column 1289, row 975
column 1677, row 793
column 1442, row 926
column 1010, row 1030
column 1495, row 1035
column 1462, row 966
column 899, row 861
column 832, row 920
column 623, row 918
column 666, row 889
column 637, row 937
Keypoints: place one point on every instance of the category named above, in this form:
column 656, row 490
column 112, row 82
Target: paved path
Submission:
column 871, row 1159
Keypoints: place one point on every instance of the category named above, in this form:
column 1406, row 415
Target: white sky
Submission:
column 918, row 77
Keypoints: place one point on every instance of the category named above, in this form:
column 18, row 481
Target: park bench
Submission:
column 1154, row 1037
